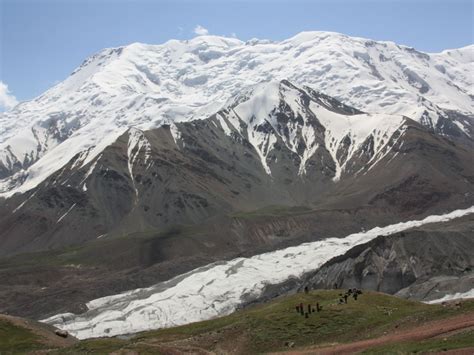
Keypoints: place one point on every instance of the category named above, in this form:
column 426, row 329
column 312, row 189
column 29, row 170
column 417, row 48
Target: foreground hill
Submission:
column 375, row 322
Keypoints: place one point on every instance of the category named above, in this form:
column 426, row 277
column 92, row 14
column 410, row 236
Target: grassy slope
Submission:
column 20, row 335
column 17, row 338
column 267, row 327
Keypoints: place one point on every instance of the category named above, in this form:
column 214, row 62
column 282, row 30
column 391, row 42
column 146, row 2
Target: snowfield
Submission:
column 216, row 289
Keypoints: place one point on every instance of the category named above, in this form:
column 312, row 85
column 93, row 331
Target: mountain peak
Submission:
column 307, row 36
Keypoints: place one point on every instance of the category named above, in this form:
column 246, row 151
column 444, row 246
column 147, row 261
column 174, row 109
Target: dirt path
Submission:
column 426, row 331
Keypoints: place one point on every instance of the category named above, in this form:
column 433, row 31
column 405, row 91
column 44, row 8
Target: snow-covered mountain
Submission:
column 175, row 156
column 144, row 86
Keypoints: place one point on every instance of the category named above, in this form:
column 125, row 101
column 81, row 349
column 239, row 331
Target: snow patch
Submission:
column 65, row 214
column 23, row 203
column 136, row 143
column 175, row 133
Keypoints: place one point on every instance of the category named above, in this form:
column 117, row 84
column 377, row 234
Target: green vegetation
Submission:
column 457, row 341
column 17, row 338
column 268, row 327
column 74, row 255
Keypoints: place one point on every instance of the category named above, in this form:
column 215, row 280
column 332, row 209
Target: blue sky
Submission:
column 42, row 41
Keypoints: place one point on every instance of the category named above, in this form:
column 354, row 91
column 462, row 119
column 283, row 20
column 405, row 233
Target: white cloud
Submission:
column 201, row 31
column 7, row 100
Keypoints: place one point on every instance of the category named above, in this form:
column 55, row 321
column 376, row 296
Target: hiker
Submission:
column 345, row 298
column 355, row 296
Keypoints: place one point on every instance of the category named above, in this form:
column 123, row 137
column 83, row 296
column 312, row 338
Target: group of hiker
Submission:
column 306, row 311
column 300, row 308
column 354, row 292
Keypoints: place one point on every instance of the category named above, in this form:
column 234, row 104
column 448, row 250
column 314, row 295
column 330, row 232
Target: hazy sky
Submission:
column 42, row 41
